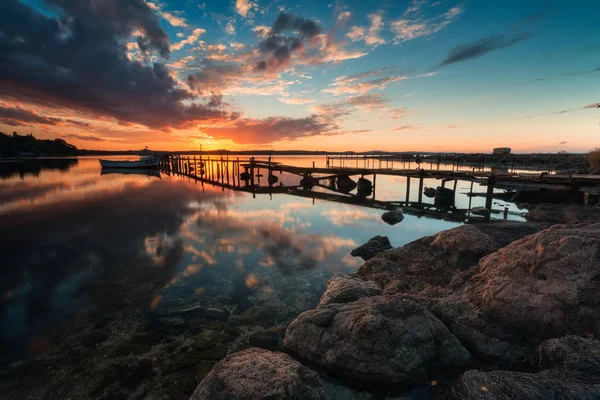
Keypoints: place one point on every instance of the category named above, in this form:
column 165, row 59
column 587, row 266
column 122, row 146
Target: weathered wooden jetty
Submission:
column 260, row 176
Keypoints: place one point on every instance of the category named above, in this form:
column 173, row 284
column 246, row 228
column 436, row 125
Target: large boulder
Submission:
column 569, row 369
column 389, row 341
column 434, row 261
column 547, row 284
column 374, row 246
column 256, row 374
column 542, row 286
column 346, row 289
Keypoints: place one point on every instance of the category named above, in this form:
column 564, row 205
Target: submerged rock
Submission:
column 210, row 338
column 260, row 374
column 392, row 217
column 394, row 342
column 346, row 289
column 266, row 340
column 374, row 246
column 480, row 211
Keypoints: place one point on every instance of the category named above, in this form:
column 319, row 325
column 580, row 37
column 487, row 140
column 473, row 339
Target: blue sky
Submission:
column 348, row 75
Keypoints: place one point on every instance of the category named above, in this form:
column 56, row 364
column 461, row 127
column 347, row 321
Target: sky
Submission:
column 405, row 75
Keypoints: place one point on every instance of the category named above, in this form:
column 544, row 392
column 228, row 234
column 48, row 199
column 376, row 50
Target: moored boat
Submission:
column 148, row 162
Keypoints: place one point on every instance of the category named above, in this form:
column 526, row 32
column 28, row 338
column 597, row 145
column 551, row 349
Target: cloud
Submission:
column 84, row 137
column 356, row 33
column 351, row 86
column 406, row 29
column 397, row 113
column 260, row 131
column 296, row 100
column 173, row 20
column 190, row 40
column 563, row 142
column 405, row 128
column 230, row 28
column 244, row 7
column 368, row 102
column 236, row 46
column 18, row 116
column 371, row 36
column 87, row 69
column 481, row 47
column 262, row 31
column 343, row 17
column 593, row 105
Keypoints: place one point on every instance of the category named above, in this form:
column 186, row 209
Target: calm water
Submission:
column 76, row 243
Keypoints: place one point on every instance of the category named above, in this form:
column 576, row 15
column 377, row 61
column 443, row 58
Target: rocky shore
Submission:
column 501, row 310
column 487, row 310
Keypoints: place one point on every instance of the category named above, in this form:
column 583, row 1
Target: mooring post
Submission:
column 490, row 192
column 421, row 178
column 374, row 181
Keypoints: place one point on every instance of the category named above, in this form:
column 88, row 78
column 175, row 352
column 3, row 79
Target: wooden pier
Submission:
column 261, row 176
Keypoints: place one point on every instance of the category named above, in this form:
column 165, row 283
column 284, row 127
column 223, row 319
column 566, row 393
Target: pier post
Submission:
column 490, row 192
column 421, row 177
column 407, row 190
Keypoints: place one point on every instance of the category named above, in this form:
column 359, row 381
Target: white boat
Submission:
column 148, row 162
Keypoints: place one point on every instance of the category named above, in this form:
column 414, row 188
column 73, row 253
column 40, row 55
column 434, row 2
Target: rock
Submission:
column 563, row 213
column 571, row 354
column 257, row 374
column 432, row 260
column 374, row 246
column 95, row 337
column 480, row 211
column 216, row 313
column 346, row 289
column 392, row 217
column 393, row 342
column 545, row 284
column 501, row 385
column 172, row 322
column 210, row 338
column 264, row 315
column 266, row 340
column 189, row 358
column 542, row 286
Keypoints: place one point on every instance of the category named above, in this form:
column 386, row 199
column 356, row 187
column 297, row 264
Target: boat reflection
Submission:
column 130, row 171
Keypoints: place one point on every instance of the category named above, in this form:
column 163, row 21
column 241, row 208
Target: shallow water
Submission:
column 76, row 244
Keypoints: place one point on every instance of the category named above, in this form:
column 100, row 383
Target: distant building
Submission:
column 502, row 150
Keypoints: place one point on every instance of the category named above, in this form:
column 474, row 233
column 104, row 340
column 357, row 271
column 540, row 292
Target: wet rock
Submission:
column 203, row 368
column 392, row 217
column 216, row 313
column 129, row 374
column 265, row 316
column 501, row 385
column 393, row 341
column 374, row 246
column 480, row 211
column 150, row 338
column 346, row 289
column 260, row 374
column 172, row 322
column 265, row 340
column 563, row 213
column 95, row 337
column 193, row 357
column 210, row 338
